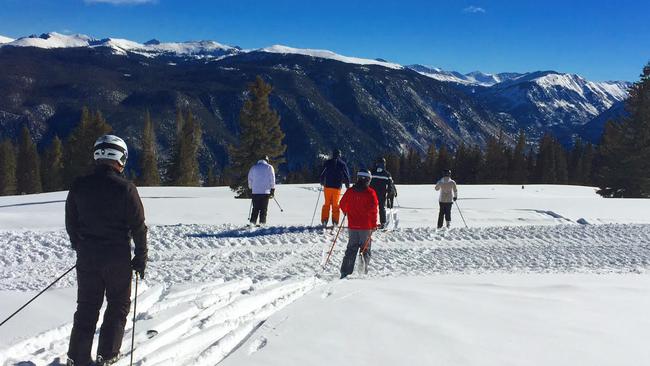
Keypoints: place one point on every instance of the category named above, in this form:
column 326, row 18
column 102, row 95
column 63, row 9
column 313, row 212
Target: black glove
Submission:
column 272, row 194
column 138, row 264
column 455, row 198
column 347, row 185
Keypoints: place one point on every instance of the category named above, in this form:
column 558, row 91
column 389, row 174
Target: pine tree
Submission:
column 52, row 167
column 443, row 162
column 475, row 165
column 429, row 165
column 517, row 172
column 7, row 168
column 78, row 150
column 496, row 161
column 414, row 166
column 560, row 157
column 260, row 135
column 28, row 176
column 545, row 167
column 186, row 166
column 393, row 166
column 212, row 180
column 149, row 175
column 531, row 169
column 586, row 165
column 624, row 153
column 460, row 163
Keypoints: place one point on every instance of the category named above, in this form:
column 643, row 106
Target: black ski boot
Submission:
column 101, row 361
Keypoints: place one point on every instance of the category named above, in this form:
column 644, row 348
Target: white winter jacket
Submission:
column 261, row 178
column 447, row 188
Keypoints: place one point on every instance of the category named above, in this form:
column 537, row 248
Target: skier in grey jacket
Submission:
column 261, row 180
column 448, row 195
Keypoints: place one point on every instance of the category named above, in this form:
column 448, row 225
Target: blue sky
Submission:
column 602, row 40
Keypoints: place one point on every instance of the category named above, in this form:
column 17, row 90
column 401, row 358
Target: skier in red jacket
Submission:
column 359, row 203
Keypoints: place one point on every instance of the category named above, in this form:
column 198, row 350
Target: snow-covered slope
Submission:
column 328, row 55
column 560, row 98
column 52, row 40
column 197, row 49
column 472, row 78
column 559, row 274
column 4, row 39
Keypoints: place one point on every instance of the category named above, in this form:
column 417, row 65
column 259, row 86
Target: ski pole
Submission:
column 135, row 305
column 363, row 250
column 320, row 189
column 461, row 214
column 276, row 202
column 366, row 244
column 39, row 294
column 250, row 211
column 334, row 242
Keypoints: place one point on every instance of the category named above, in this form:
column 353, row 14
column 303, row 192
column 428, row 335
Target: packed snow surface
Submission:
column 543, row 275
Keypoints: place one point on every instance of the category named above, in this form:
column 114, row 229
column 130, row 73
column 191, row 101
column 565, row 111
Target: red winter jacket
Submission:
column 360, row 205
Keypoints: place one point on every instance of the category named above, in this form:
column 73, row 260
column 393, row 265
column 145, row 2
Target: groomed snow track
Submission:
column 200, row 253
column 209, row 288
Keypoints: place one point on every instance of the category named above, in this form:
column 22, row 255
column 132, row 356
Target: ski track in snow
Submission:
column 203, row 253
column 246, row 275
column 192, row 328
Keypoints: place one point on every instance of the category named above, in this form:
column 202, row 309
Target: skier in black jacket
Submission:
column 103, row 212
column 335, row 173
column 381, row 180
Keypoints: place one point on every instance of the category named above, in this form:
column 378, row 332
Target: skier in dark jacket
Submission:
column 381, row 180
column 360, row 205
column 103, row 212
column 391, row 194
column 335, row 173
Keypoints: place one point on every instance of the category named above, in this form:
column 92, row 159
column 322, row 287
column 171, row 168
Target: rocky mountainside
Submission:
column 363, row 106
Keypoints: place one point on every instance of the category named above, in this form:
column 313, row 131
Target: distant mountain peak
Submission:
column 152, row 42
column 327, row 54
column 472, row 78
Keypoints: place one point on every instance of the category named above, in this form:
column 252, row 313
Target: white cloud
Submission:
column 121, row 2
column 474, row 9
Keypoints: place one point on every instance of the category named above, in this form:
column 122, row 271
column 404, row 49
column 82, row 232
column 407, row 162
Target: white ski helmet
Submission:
column 111, row 147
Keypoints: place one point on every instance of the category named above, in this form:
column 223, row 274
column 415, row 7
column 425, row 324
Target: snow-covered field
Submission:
column 544, row 275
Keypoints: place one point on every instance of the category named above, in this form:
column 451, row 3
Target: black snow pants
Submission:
column 355, row 242
column 445, row 213
column 99, row 275
column 260, row 207
column 390, row 201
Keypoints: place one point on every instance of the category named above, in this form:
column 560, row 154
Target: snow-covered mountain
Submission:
column 472, row 78
column 4, row 39
column 325, row 99
column 550, row 98
column 328, row 55
column 196, row 49
column 151, row 48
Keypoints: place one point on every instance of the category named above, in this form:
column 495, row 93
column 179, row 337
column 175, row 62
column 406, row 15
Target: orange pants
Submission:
column 332, row 196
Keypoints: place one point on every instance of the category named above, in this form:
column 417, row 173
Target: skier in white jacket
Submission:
column 261, row 180
column 448, row 195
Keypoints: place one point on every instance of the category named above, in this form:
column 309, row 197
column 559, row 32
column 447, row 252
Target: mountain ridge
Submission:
column 325, row 100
